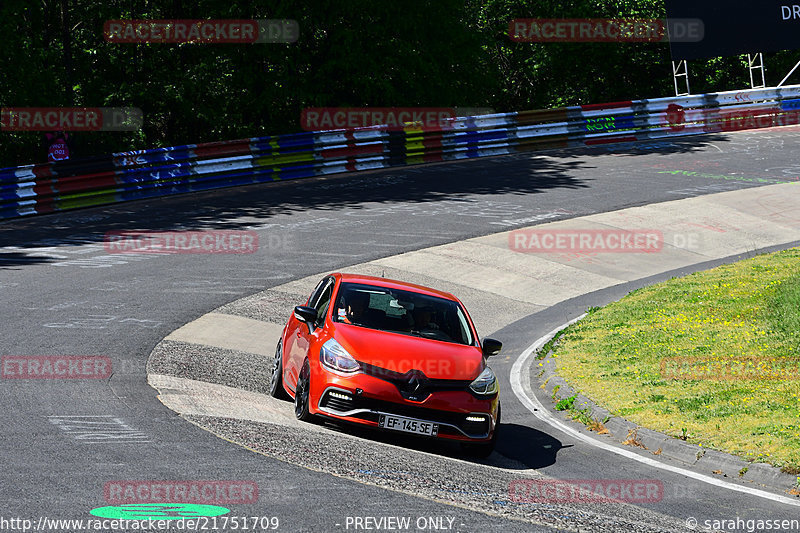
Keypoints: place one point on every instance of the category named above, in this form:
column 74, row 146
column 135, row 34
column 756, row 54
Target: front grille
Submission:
column 414, row 385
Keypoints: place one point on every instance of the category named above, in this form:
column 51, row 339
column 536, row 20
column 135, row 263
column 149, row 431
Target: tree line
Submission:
column 354, row 53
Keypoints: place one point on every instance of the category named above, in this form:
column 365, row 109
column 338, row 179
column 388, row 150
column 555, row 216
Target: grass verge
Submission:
column 712, row 358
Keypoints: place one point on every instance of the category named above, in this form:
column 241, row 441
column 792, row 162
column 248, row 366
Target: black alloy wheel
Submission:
column 301, row 395
column 276, row 389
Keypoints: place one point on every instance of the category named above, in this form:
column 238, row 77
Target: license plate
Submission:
column 409, row 425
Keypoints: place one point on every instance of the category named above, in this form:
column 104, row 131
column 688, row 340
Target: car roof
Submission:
column 393, row 284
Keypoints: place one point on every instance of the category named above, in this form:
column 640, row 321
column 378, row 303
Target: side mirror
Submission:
column 305, row 314
column 491, row 347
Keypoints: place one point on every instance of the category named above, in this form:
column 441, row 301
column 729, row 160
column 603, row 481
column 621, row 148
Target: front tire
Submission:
column 276, row 389
column 302, row 395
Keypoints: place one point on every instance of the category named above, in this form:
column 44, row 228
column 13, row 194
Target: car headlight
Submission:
column 333, row 356
column 485, row 384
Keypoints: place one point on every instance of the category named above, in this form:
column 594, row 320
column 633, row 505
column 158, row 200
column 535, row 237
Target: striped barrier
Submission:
column 125, row 176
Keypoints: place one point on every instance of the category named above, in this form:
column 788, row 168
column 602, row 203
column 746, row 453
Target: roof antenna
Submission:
column 383, row 273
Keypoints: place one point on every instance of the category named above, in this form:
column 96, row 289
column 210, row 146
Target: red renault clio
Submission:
column 392, row 355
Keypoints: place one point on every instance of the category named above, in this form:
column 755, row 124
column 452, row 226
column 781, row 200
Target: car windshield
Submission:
column 401, row 311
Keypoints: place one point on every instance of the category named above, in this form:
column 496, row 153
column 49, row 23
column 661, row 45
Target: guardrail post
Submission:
column 681, row 70
column 756, row 62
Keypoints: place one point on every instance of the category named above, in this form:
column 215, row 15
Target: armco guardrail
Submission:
column 120, row 177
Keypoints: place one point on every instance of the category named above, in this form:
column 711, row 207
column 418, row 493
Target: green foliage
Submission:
column 426, row 53
column 549, row 345
column 565, row 403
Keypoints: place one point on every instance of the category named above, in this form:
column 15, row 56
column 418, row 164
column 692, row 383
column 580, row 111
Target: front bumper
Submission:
column 459, row 415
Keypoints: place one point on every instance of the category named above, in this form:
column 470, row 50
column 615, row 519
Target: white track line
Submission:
column 542, row 413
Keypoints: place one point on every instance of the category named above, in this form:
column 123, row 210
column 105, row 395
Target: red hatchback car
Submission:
column 391, row 355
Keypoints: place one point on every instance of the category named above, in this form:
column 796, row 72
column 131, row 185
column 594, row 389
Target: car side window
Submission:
column 323, row 303
column 317, row 292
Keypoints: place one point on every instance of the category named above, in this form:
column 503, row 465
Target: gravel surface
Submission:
column 269, row 306
column 233, row 368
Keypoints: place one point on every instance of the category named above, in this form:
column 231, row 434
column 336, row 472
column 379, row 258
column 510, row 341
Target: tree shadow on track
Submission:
column 458, row 183
column 15, row 260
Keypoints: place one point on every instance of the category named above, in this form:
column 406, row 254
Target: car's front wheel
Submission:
column 276, row 389
column 302, row 395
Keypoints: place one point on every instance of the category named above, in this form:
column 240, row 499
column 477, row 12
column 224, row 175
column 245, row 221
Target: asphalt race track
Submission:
column 63, row 294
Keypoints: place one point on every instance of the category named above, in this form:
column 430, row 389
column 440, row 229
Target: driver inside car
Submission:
column 352, row 312
column 422, row 320
column 356, row 310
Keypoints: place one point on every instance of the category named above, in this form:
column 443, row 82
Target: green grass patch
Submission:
column 565, row 403
column 726, row 326
column 581, row 415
